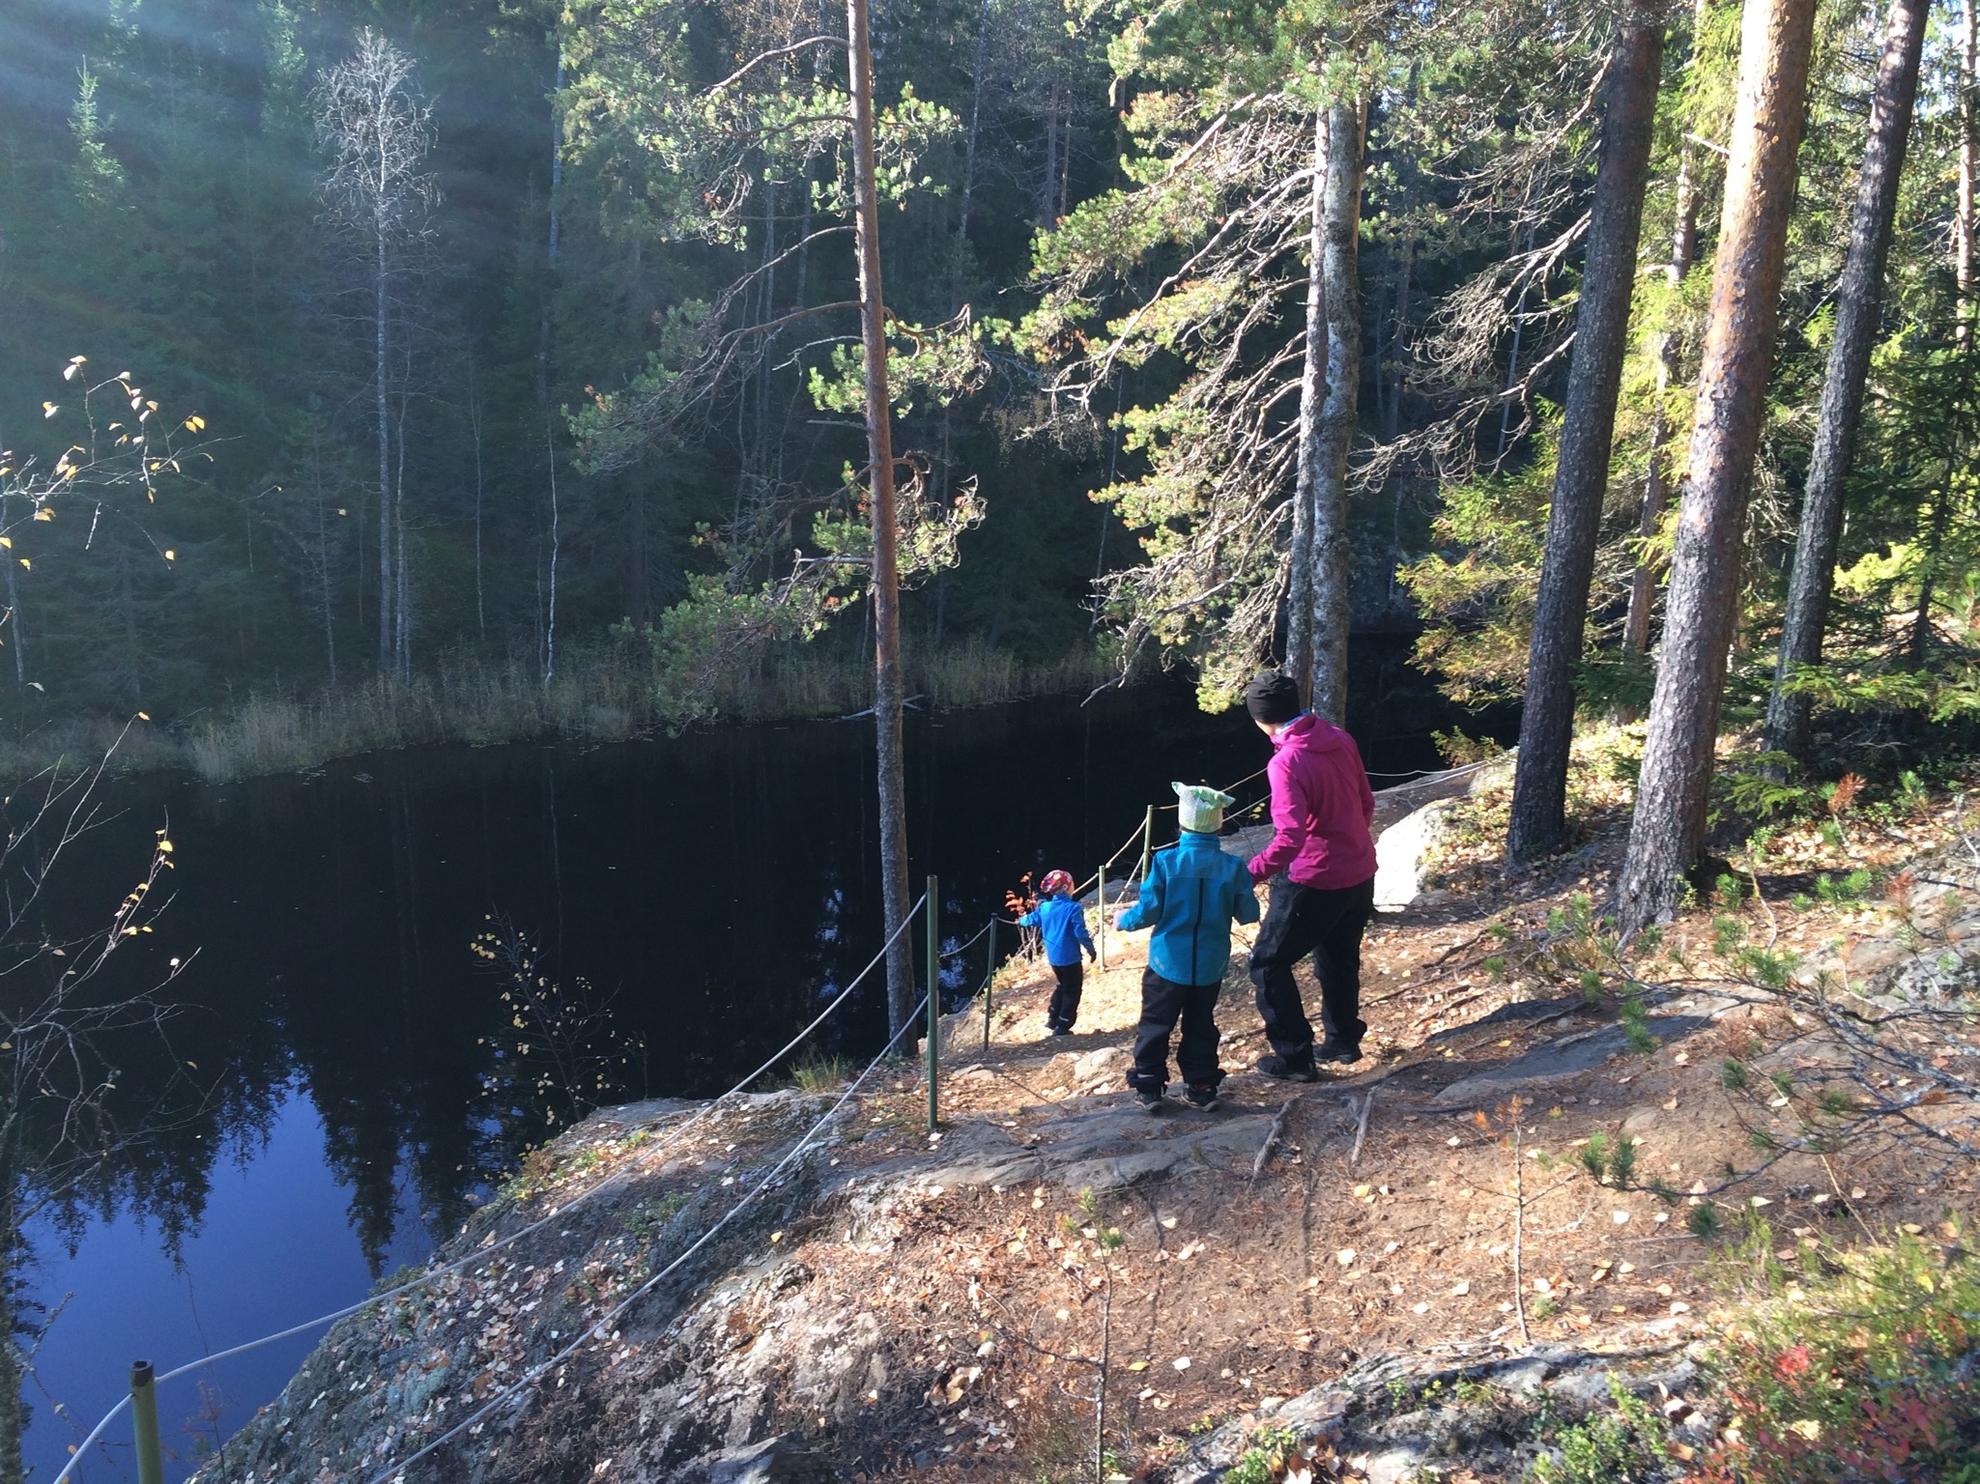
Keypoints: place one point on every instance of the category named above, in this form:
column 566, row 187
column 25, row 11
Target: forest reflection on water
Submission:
column 342, row 1105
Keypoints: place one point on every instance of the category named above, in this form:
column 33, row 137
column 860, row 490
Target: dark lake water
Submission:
column 353, row 1102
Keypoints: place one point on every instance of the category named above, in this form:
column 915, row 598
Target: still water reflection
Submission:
column 721, row 884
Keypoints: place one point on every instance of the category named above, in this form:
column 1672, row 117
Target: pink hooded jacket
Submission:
column 1321, row 808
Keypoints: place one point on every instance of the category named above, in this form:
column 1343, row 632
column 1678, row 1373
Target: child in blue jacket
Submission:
column 1061, row 922
column 1191, row 896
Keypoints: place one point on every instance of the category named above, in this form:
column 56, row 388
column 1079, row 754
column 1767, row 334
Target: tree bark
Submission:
column 1581, row 475
column 1300, row 606
column 1346, row 121
column 886, row 574
column 1859, row 303
column 1657, row 475
column 1667, row 830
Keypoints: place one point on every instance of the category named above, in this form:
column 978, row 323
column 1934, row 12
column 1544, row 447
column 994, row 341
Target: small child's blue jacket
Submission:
column 1190, row 898
column 1061, row 922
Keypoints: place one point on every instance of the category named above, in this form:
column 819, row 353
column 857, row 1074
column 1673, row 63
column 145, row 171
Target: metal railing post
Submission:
column 144, row 1423
column 1147, row 842
column 1101, row 951
column 934, row 917
column 989, row 980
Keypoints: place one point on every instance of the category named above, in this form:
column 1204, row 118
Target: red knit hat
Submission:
column 1056, row 881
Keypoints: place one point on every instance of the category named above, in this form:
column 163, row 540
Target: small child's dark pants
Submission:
column 1163, row 1003
column 1064, row 1008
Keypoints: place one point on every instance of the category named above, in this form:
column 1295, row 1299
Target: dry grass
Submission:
column 601, row 693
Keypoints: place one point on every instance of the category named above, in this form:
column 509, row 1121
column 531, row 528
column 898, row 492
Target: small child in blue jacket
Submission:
column 1061, row 922
column 1191, row 896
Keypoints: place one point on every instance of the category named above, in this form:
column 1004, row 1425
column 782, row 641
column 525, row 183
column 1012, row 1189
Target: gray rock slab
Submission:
column 1568, row 1057
column 779, row 1460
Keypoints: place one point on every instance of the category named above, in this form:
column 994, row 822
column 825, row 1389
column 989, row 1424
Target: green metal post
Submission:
column 1102, row 888
column 1147, row 841
column 144, row 1421
column 989, row 980
column 934, row 918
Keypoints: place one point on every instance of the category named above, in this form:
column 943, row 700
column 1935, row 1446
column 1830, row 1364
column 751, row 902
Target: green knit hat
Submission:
column 1201, row 808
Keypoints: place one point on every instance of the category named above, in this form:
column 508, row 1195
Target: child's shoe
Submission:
column 1204, row 1095
column 1151, row 1102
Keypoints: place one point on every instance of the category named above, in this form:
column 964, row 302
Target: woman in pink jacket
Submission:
column 1321, row 861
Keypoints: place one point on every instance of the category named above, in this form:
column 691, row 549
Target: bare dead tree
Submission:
column 375, row 130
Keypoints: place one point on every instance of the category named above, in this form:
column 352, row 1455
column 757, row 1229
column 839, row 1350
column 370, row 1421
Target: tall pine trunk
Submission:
column 1667, row 830
column 1342, row 288
column 1657, row 472
column 1581, row 475
column 886, row 572
column 1859, row 302
column 1300, row 604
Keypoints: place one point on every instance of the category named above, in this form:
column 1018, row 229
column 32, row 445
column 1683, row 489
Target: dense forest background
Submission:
column 450, row 452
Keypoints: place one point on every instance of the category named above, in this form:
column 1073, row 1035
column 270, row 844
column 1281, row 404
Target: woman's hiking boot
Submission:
column 1274, row 1065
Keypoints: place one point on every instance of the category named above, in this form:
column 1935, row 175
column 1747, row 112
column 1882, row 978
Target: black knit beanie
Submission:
column 1272, row 698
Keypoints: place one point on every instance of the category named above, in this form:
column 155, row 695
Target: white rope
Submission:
column 602, row 1328
column 480, row 1254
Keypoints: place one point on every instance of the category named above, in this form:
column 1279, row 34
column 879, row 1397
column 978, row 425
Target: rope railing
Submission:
column 602, row 1328
column 558, row 1212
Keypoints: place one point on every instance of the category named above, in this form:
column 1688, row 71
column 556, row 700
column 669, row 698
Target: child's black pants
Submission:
column 1064, row 1009
column 1163, row 1003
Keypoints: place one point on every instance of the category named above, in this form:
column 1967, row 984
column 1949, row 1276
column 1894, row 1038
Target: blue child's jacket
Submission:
column 1191, row 896
column 1061, row 922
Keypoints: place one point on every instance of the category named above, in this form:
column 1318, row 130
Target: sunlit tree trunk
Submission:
column 1667, row 830
column 1346, row 121
column 886, row 577
column 1657, row 471
column 1312, row 395
column 1859, row 302
column 1581, row 475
